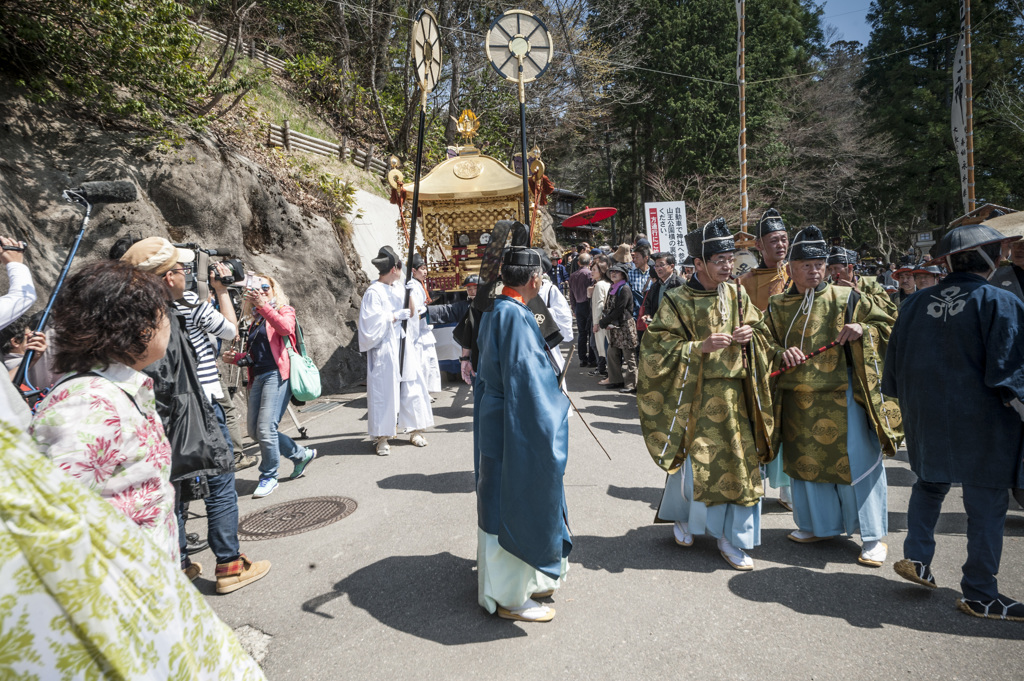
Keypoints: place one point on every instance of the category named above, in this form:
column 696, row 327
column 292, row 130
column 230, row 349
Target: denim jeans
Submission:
column 586, row 351
column 222, row 421
column 986, row 514
column 268, row 400
column 221, row 518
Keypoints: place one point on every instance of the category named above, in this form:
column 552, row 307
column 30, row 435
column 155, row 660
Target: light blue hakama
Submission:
column 740, row 525
column 774, row 474
column 503, row 579
column 828, row 510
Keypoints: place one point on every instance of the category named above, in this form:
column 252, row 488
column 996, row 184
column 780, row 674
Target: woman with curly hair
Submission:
column 99, row 422
column 272, row 325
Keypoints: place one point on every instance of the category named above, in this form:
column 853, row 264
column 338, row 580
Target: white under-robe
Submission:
column 560, row 312
column 378, row 337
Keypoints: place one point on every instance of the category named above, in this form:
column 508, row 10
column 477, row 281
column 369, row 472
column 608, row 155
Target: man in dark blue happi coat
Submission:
column 956, row 364
column 521, row 443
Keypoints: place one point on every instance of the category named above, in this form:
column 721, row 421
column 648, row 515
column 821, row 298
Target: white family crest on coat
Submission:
column 948, row 303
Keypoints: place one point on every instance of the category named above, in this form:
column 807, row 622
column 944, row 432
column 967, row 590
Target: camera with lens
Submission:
column 236, row 275
column 244, row 362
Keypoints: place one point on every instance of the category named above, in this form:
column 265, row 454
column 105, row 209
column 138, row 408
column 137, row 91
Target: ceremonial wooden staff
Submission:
column 806, row 357
column 426, row 52
column 520, row 50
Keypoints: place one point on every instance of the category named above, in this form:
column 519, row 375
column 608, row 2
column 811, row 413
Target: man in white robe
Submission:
column 380, row 327
column 414, row 413
column 558, row 306
column 425, row 333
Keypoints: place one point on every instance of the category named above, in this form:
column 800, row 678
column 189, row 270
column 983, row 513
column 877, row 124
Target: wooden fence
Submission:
column 268, row 60
column 288, row 139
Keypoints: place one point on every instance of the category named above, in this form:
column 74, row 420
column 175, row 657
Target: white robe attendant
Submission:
column 426, row 340
column 559, row 308
column 378, row 337
column 414, row 411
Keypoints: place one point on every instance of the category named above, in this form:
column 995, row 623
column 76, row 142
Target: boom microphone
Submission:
column 118, row 191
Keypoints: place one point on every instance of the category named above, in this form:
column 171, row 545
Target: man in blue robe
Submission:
column 520, row 447
column 956, row 364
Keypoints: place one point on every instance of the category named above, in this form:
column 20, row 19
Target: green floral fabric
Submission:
column 810, row 400
column 709, row 406
column 86, row 593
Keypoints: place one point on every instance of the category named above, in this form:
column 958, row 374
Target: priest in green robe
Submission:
column 704, row 401
column 833, row 423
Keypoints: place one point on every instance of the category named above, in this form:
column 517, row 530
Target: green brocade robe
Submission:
column 708, row 406
column 810, row 400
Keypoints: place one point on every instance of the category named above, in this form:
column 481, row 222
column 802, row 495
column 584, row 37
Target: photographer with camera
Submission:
column 21, row 293
column 202, row 464
column 272, row 323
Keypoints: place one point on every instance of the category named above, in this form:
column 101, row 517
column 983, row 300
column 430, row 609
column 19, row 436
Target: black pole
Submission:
column 21, row 380
column 412, row 231
column 526, row 169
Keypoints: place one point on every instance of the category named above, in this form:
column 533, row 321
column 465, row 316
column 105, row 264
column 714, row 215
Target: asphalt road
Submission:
column 390, row 591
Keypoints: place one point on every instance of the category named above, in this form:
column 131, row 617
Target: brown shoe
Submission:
column 236, row 574
column 193, row 571
column 246, row 461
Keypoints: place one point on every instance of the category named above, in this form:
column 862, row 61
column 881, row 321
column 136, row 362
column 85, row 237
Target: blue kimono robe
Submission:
column 955, row 358
column 520, row 439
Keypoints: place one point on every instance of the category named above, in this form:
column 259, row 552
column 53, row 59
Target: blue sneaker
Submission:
column 301, row 465
column 266, row 486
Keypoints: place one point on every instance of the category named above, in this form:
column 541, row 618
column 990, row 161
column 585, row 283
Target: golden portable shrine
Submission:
column 460, row 199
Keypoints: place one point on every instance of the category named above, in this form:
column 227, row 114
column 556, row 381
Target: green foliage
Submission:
column 911, row 94
column 130, row 59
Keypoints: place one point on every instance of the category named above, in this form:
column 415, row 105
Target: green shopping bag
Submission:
column 304, row 376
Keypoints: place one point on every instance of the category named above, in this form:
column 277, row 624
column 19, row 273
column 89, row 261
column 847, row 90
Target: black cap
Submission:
column 521, row 256
column 841, row 256
column 770, row 222
column 472, row 280
column 417, row 261
column 712, row 238
column 928, row 269
column 808, row 244
column 386, row 260
column 967, row 237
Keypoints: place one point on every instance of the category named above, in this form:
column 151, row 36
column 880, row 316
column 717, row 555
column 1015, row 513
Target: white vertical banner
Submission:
column 666, row 227
column 958, row 110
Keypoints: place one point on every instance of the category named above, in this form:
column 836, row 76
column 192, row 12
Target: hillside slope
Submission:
column 203, row 191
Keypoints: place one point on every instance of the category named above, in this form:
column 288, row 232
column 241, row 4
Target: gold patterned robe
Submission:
column 810, row 400
column 764, row 282
column 708, row 406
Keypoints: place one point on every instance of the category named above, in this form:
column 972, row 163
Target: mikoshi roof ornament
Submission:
column 714, row 237
column 770, row 222
column 808, row 244
column 426, row 55
column 520, row 49
column 968, row 238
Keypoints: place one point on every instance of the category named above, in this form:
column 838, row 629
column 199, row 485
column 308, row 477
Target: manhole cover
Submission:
column 294, row 517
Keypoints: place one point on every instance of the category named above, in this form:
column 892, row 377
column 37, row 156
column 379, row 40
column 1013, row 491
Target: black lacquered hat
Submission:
column 521, row 256
column 968, row 237
column 841, row 256
column 808, row 244
column 712, row 238
column 770, row 222
column 386, row 259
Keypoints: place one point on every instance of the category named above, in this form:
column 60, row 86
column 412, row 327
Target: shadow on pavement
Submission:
column 617, row 426
column 430, row 597
column 899, row 477
column 454, row 482
column 646, row 548
column 867, row 600
column 648, row 495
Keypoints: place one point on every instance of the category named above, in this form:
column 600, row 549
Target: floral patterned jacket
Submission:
column 104, row 431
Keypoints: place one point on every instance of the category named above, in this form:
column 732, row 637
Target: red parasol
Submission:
column 589, row 216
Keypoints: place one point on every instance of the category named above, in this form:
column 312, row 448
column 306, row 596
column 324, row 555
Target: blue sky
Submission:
column 848, row 17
